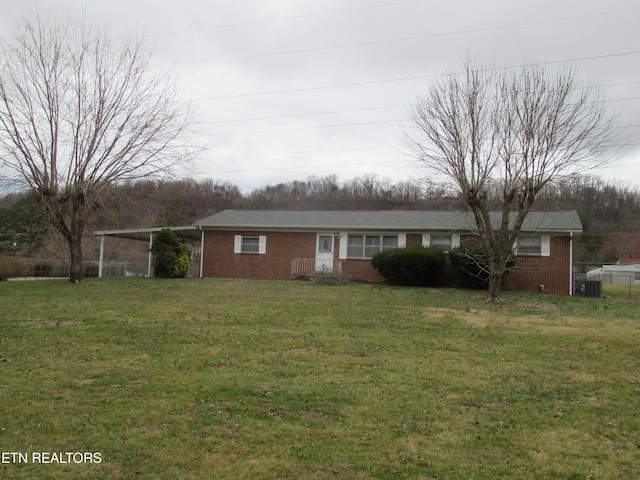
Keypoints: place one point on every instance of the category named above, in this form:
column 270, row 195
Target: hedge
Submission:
column 414, row 266
column 471, row 262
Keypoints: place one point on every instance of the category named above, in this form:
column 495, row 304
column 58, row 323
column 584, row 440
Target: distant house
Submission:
column 286, row 244
column 622, row 273
column 628, row 260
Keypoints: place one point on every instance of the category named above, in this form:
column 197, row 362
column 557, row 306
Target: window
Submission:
column 529, row 246
column 442, row 241
column 250, row 244
column 534, row 245
column 366, row 246
column 325, row 244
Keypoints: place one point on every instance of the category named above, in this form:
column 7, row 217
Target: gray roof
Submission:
column 383, row 220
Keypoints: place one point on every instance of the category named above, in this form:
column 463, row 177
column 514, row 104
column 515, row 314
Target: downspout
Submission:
column 570, row 263
column 201, row 250
column 150, row 254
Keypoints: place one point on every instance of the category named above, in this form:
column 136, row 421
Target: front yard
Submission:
column 254, row 379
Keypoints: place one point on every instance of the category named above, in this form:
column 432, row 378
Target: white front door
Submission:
column 324, row 253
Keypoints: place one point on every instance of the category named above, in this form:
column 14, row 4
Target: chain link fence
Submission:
column 607, row 284
column 60, row 268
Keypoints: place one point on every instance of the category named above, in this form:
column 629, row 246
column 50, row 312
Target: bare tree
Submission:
column 508, row 131
column 80, row 113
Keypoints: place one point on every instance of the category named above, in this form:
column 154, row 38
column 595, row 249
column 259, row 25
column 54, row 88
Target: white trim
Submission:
column 262, row 244
column 101, row 262
column 545, row 246
column 344, row 243
column 571, row 292
column 201, row 254
column 402, row 240
column 150, row 254
column 455, row 240
column 426, row 239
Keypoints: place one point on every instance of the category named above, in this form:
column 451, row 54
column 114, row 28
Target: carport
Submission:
column 185, row 233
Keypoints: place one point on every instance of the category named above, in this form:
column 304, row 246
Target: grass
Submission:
column 252, row 379
column 622, row 291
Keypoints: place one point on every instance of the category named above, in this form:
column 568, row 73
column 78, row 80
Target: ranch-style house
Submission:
column 279, row 244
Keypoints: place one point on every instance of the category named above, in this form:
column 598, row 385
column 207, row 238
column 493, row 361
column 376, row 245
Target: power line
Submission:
column 404, row 79
column 296, row 115
column 293, row 129
column 281, row 19
column 387, row 107
column 297, row 167
column 408, row 38
column 332, row 125
column 302, row 152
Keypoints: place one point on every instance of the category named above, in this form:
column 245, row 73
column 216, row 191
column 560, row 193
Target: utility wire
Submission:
column 408, row 38
column 280, row 19
column 313, row 114
column 302, row 152
column 369, row 109
column 313, row 127
column 298, row 167
column 404, row 79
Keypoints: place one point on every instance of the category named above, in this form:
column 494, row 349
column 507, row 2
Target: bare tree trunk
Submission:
column 68, row 213
column 75, row 268
column 516, row 132
column 80, row 114
column 494, row 292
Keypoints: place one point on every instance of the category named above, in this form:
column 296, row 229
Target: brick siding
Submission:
column 220, row 261
column 552, row 271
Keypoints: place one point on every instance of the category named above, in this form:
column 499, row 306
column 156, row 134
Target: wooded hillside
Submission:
column 610, row 213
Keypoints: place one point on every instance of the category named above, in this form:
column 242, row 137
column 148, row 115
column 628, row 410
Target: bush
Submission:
column 41, row 269
column 330, row 279
column 415, row 266
column 171, row 259
column 11, row 267
column 471, row 262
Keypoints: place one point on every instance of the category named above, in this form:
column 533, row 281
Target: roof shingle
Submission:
column 383, row 220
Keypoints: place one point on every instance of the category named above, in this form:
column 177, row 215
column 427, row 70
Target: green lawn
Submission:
column 286, row 380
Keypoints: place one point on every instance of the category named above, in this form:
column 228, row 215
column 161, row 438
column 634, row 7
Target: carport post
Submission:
column 150, row 254
column 101, row 256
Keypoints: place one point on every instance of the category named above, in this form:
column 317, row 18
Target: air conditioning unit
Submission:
column 588, row 288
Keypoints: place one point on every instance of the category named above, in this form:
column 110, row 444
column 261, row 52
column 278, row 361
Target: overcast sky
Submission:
column 286, row 89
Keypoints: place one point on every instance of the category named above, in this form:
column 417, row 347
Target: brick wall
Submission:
column 220, row 261
column 552, row 271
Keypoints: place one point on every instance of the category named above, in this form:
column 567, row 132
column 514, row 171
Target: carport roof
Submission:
column 187, row 232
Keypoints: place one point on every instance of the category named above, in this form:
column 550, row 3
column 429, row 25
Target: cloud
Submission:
column 288, row 89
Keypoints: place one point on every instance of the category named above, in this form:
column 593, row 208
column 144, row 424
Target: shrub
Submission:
column 330, row 279
column 11, row 267
column 471, row 262
column 415, row 266
column 41, row 269
column 171, row 259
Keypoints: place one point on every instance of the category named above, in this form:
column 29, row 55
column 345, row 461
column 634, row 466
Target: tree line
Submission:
column 84, row 119
column 610, row 212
